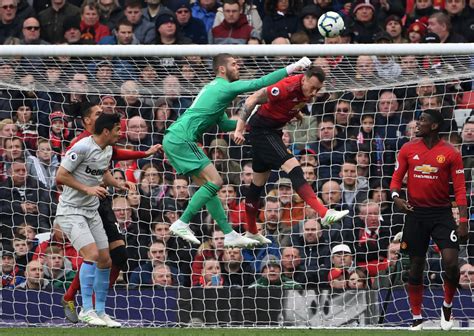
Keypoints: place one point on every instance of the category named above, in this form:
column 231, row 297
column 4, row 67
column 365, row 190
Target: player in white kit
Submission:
column 83, row 172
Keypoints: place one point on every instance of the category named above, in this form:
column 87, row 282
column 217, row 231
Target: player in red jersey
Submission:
column 281, row 103
column 118, row 252
column 431, row 163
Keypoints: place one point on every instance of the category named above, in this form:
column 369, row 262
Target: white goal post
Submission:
column 157, row 84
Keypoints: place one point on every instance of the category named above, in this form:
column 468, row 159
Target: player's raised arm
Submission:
column 239, row 87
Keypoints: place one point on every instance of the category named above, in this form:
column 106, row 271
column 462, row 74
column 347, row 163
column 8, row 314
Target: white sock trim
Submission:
column 417, row 317
column 447, row 305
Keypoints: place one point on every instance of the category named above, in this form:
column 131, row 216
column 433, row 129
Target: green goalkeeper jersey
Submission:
column 208, row 108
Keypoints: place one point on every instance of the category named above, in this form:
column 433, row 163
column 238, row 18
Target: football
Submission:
column 330, row 24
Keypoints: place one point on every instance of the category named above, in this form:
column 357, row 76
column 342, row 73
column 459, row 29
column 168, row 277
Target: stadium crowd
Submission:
column 346, row 142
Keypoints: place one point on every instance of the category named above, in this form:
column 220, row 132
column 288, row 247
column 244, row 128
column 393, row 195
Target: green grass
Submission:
column 212, row 332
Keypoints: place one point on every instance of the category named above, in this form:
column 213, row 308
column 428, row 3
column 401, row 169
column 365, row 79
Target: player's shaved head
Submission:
column 220, row 60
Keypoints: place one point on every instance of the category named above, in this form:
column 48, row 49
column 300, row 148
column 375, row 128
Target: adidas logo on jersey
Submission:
column 416, row 157
column 95, row 172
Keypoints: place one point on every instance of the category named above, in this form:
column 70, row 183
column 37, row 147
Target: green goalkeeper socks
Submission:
column 214, row 207
column 201, row 197
column 206, row 195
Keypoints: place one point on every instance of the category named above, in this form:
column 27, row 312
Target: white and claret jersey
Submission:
column 87, row 163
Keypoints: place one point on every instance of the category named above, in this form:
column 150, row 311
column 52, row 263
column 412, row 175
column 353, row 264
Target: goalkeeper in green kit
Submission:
column 182, row 151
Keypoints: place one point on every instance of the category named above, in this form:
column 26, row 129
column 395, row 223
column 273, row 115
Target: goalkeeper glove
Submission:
column 298, row 66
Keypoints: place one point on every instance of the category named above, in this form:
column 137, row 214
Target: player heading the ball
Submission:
column 280, row 103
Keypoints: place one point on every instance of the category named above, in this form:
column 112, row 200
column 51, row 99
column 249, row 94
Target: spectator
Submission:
column 135, row 232
column 162, row 276
column 103, row 71
column 341, row 257
column 143, row 30
column 29, row 201
column 179, row 252
column 26, row 124
column 394, row 275
column 271, row 275
column 154, row 9
column 12, row 276
column 364, row 26
column 338, row 278
column 347, row 121
column 10, row 22
column 166, row 28
column 31, row 32
column 163, row 117
column 211, row 275
column 394, row 27
column 191, row 27
column 358, row 279
column 59, row 133
column 59, row 239
column 228, row 168
column 172, row 90
column 280, row 20
column 292, row 266
column 331, row 194
column 91, row 28
column 416, row 32
column 157, row 255
column 466, row 281
column 292, row 206
column 52, row 20
column 35, row 277
column 212, row 249
column 72, row 31
column 462, row 18
column 123, row 34
column 330, row 148
column 257, row 254
column 308, row 23
column 44, row 165
column 421, row 11
column 151, row 184
column 22, row 253
column 131, row 104
column 57, row 269
column 13, row 150
column 234, row 29
column 29, row 232
column 108, row 104
column 440, row 24
column 354, row 192
column 235, row 208
column 309, row 173
column 371, row 238
column 205, row 10
column 235, row 271
column 110, row 12
column 249, row 10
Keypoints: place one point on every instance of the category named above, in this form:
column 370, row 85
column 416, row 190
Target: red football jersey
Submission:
column 429, row 174
column 285, row 99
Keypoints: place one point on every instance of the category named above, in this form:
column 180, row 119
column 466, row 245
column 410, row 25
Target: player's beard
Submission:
column 232, row 76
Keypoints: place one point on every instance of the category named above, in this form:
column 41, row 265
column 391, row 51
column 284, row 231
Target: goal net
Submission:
column 349, row 274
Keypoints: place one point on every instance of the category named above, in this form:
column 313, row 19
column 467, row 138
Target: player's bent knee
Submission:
column 119, row 257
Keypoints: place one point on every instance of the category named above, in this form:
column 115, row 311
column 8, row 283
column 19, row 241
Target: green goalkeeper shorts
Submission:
column 185, row 156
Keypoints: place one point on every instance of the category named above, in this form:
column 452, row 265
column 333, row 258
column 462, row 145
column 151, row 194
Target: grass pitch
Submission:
column 213, row 332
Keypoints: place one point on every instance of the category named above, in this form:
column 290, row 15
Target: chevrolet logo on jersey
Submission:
column 426, row 169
